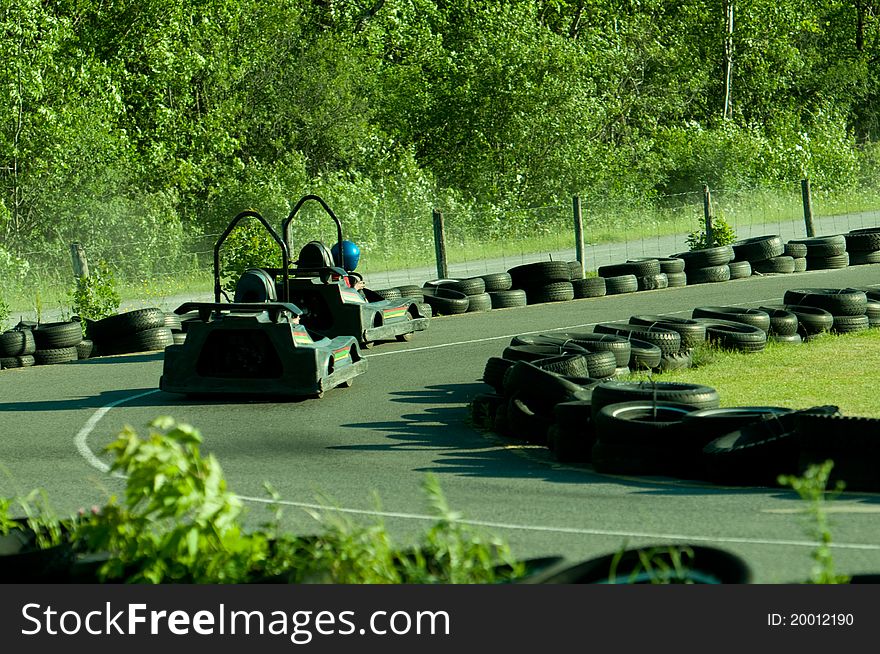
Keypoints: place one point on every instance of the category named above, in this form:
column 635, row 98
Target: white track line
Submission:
column 81, row 440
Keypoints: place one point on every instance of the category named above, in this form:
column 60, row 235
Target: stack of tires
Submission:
column 57, row 342
column 17, row 348
column 635, row 275
column 544, row 281
column 735, row 328
column 822, row 252
column 847, row 307
column 708, row 265
column 863, row 246
column 764, row 255
column 142, row 330
column 472, row 288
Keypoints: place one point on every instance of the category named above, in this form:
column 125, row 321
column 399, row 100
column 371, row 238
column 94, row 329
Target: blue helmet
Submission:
column 351, row 252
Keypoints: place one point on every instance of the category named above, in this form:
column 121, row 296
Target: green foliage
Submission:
column 95, row 296
column 177, row 521
column 722, row 234
column 249, row 245
column 811, row 487
column 4, row 313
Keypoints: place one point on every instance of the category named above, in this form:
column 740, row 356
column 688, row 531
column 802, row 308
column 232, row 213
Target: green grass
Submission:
column 841, row 370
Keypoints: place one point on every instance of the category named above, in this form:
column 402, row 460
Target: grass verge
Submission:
column 834, row 369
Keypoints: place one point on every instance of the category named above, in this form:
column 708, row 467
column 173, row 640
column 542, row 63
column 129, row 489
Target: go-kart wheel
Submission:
column 368, row 345
column 346, row 384
column 405, row 338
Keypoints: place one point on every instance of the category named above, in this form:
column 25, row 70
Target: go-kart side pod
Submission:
column 248, row 349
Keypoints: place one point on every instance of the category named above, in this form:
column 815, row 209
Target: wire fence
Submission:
column 401, row 250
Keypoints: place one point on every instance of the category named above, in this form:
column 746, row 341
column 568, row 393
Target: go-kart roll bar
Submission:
column 285, row 252
column 286, row 225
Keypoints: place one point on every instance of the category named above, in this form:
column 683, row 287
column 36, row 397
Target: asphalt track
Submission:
column 366, row 450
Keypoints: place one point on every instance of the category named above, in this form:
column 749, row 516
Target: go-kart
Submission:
column 256, row 349
column 326, row 292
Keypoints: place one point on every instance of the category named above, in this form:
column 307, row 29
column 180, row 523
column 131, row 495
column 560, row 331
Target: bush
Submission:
column 249, row 245
column 95, row 296
column 722, row 234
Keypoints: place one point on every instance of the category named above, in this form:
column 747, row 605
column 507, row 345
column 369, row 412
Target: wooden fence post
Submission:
column 440, row 245
column 79, row 261
column 578, row 232
column 707, row 213
column 808, row 207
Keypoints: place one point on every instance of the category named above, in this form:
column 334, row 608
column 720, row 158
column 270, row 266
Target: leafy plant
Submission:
column 95, row 296
column 4, row 313
column 656, row 565
column 722, row 234
column 811, row 487
column 248, row 246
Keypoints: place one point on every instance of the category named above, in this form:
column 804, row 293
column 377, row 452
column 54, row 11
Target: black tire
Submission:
column 576, row 270
column 55, row 355
column 871, row 293
column 851, row 442
column 671, row 265
column 508, row 299
column 123, row 324
column 691, row 332
column 600, row 364
column 653, row 282
column 667, row 340
column 589, row 287
column 58, row 335
column 823, row 246
column 644, row 425
column 644, row 355
column 811, row 320
column 493, row 282
column 525, row 423
column 867, row 241
column 828, row 263
column 617, row 345
column 552, row 292
column 740, row 269
column 731, row 335
column 754, row 317
column 542, row 272
column 469, row 286
column 543, row 351
column 800, row 264
column 757, row 453
column 873, row 312
column 706, row 258
column 777, row 265
column 621, row 284
column 479, row 302
column 84, row 349
column 444, row 301
column 17, row 342
column 864, row 258
column 148, row 340
column 638, row 268
column 708, row 275
column 494, row 371
column 796, row 250
column 411, row 291
column 758, row 248
column 696, row 396
column 848, row 324
column 837, row 301
column 782, row 322
column 676, row 280
column 572, row 439
column 172, row 321
column 179, row 337
column 678, row 361
column 9, row 362
column 484, row 408
column 388, row 293
column 543, row 389
column 567, row 365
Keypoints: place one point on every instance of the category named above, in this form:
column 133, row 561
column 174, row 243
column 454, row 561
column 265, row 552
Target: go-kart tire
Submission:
column 758, row 248
column 493, row 282
column 667, row 264
column 795, row 250
column 732, row 335
column 643, row 355
column 567, row 365
column 470, row 286
column 509, row 298
column 708, row 274
column 800, row 264
column 676, row 280
column 494, row 371
column 589, row 287
column 713, row 257
column 537, row 352
column 696, row 396
column 479, row 302
column 849, row 324
column 621, row 284
column 822, row 246
column 864, row 258
column 444, row 301
column 16, row 343
column 124, row 324
column 863, row 242
column 388, row 293
column 828, row 263
column 84, row 349
column 411, row 291
column 782, row 322
column 57, row 335
column 55, row 355
column 653, row 282
column 667, row 340
column 172, row 321
column 836, row 301
column 540, row 273
column 148, row 340
column 22, row 361
column 691, row 332
column 576, row 270
column 754, row 317
column 638, row 268
column 617, row 345
column 552, row 292
column 780, row 265
column 740, row 269
column 543, row 389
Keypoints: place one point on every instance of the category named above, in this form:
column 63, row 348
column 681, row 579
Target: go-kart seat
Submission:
column 315, row 256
